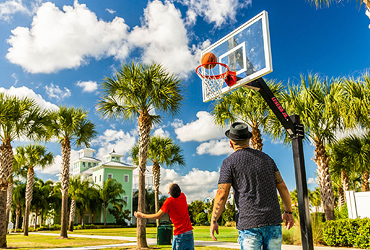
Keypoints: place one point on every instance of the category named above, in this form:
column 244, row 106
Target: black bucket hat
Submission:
column 238, row 132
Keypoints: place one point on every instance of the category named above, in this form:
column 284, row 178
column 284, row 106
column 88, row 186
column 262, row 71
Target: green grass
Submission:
column 41, row 241
column 170, row 248
column 227, row 234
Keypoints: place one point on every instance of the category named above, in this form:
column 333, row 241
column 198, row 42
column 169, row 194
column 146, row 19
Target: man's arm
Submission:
column 285, row 196
column 219, row 206
column 158, row 215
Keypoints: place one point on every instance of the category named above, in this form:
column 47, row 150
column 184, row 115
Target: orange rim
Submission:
column 220, row 76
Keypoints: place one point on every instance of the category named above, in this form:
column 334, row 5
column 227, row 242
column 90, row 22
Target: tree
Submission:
column 78, row 189
column 315, row 198
column 249, row 106
column 161, row 151
column 19, row 201
column 18, row 117
column 31, row 156
column 149, row 201
column 195, row 208
column 111, row 193
column 41, row 192
column 70, row 126
column 134, row 92
column 318, row 103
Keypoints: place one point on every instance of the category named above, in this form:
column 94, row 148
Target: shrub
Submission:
column 201, row 218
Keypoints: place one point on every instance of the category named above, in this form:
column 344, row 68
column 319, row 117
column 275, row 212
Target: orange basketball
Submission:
column 208, row 58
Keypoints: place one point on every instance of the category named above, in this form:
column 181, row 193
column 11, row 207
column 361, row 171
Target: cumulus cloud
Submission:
column 215, row 147
column 54, row 91
column 163, row 38
column 111, row 11
column 214, row 11
column 89, row 86
column 120, row 141
column 60, row 39
column 197, row 184
column 56, row 167
column 200, row 130
column 312, row 181
column 26, row 92
column 9, row 8
column 162, row 133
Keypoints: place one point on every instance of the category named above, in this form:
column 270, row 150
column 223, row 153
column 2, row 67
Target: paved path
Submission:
column 152, row 241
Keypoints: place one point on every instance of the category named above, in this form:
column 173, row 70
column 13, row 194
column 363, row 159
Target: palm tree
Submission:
column 77, row 188
column 41, row 193
column 135, row 91
column 95, row 203
column 18, row 117
column 19, row 201
column 249, row 106
column 31, row 156
column 359, row 154
column 70, row 126
column 315, row 198
column 161, row 151
column 318, row 103
column 111, row 193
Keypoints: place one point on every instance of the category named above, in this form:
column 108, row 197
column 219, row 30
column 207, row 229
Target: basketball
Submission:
column 208, row 58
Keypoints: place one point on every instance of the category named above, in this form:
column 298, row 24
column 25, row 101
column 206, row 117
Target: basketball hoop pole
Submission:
column 296, row 133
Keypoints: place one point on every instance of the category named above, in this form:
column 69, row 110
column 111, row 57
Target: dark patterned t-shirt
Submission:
column 252, row 176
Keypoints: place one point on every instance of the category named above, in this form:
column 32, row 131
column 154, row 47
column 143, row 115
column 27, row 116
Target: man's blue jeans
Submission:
column 268, row 237
column 184, row 241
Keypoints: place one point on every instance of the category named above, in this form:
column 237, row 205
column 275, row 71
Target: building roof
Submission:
column 85, row 158
column 113, row 164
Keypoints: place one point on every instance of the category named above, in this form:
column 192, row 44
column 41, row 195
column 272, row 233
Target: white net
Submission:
column 212, row 79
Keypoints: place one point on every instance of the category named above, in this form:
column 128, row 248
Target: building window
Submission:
column 89, row 164
column 110, row 176
column 125, row 198
column 99, row 177
column 83, row 164
column 126, row 178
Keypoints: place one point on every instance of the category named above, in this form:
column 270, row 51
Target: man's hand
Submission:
column 138, row 214
column 213, row 228
column 289, row 220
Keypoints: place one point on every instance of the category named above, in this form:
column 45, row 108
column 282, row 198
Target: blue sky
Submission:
column 59, row 52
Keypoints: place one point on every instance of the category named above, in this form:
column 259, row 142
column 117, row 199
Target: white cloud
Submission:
column 11, row 7
column 203, row 129
column 163, row 38
column 162, row 133
column 65, row 39
column 56, row 167
column 26, row 92
column 89, row 86
column 312, row 181
column 214, row 11
column 120, row 141
column 196, row 185
column 215, row 147
column 111, row 11
column 54, row 91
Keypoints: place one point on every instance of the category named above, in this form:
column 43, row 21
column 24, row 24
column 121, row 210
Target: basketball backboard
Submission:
column 245, row 50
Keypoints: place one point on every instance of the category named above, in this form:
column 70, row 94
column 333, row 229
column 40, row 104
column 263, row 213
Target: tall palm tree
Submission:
column 161, row 151
column 249, row 106
column 71, row 126
column 31, row 156
column 111, row 193
column 18, row 117
column 135, row 91
column 318, row 103
column 77, row 188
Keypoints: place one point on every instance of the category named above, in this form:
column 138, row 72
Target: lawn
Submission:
column 227, row 234
column 41, row 241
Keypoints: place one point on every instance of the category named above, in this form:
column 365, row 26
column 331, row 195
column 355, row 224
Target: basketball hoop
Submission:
column 214, row 82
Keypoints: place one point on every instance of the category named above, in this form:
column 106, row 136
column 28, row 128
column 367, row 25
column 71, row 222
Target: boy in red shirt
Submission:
column 177, row 208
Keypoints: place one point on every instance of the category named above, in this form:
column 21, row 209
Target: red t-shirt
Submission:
column 177, row 209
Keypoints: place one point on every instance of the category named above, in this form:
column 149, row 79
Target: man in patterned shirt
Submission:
column 254, row 177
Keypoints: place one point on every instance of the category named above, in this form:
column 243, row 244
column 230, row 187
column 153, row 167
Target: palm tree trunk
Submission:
column 365, row 181
column 156, row 176
column 66, row 154
column 345, row 182
column 341, row 199
column 29, row 194
column 144, row 137
column 6, row 163
column 105, row 214
column 36, row 215
column 83, row 219
column 256, row 140
column 9, row 200
column 72, row 214
column 326, row 187
column 17, row 214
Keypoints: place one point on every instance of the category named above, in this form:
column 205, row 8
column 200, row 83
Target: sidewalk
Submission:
column 152, row 241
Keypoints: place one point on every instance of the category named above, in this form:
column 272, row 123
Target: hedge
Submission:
column 348, row 233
